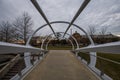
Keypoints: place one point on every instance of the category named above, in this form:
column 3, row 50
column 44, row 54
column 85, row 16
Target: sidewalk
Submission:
column 60, row 65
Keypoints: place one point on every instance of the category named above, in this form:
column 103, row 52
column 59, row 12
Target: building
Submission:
column 98, row 39
column 77, row 36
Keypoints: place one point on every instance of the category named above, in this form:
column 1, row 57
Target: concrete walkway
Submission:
column 60, row 65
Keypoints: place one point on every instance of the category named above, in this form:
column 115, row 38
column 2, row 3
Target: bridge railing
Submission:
column 8, row 48
column 108, row 48
column 111, row 48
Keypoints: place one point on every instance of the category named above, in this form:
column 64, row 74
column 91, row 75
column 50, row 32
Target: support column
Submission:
column 27, row 59
column 93, row 59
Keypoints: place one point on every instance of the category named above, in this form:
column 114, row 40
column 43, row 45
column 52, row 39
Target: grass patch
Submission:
column 84, row 56
column 109, row 68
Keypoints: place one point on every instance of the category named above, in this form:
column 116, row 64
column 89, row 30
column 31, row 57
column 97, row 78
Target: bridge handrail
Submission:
column 6, row 48
column 113, row 48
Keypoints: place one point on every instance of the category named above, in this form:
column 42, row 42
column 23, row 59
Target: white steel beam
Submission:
column 84, row 4
column 42, row 14
column 15, row 48
column 113, row 47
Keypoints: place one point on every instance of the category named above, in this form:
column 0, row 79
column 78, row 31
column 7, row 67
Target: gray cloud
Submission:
column 101, row 13
column 98, row 12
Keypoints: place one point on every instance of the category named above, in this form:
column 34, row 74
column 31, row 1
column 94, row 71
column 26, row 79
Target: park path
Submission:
column 60, row 65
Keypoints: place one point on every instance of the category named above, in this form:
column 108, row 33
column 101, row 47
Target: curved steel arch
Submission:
column 93, row 59
column 65, row 39
column 75, row 26
column 73, row 48
column 59, row 32
column 61, row 22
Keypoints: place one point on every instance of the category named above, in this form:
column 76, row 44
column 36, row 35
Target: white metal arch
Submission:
column 92, row 58
column 65, row 22
column 84, row 4
column 60, row 32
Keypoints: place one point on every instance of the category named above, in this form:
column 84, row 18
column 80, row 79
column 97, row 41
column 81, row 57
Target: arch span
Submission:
column 92, row 58
column 65, row 22
column 63, row 33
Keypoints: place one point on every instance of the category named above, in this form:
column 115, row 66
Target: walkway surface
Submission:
column 60, row 65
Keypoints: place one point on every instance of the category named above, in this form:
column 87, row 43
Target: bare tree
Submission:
column 103, row 30
column 102, row 33
column 58, row 35
column 23, row 26
column 91, row 30
column 7, row 32
column 1, row 34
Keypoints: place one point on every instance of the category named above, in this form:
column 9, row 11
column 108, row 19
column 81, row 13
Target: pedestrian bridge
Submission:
column 55, row 64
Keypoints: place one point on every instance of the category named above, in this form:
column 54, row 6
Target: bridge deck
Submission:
column 60, row 65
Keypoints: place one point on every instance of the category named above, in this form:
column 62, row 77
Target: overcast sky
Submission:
column 99, row 13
